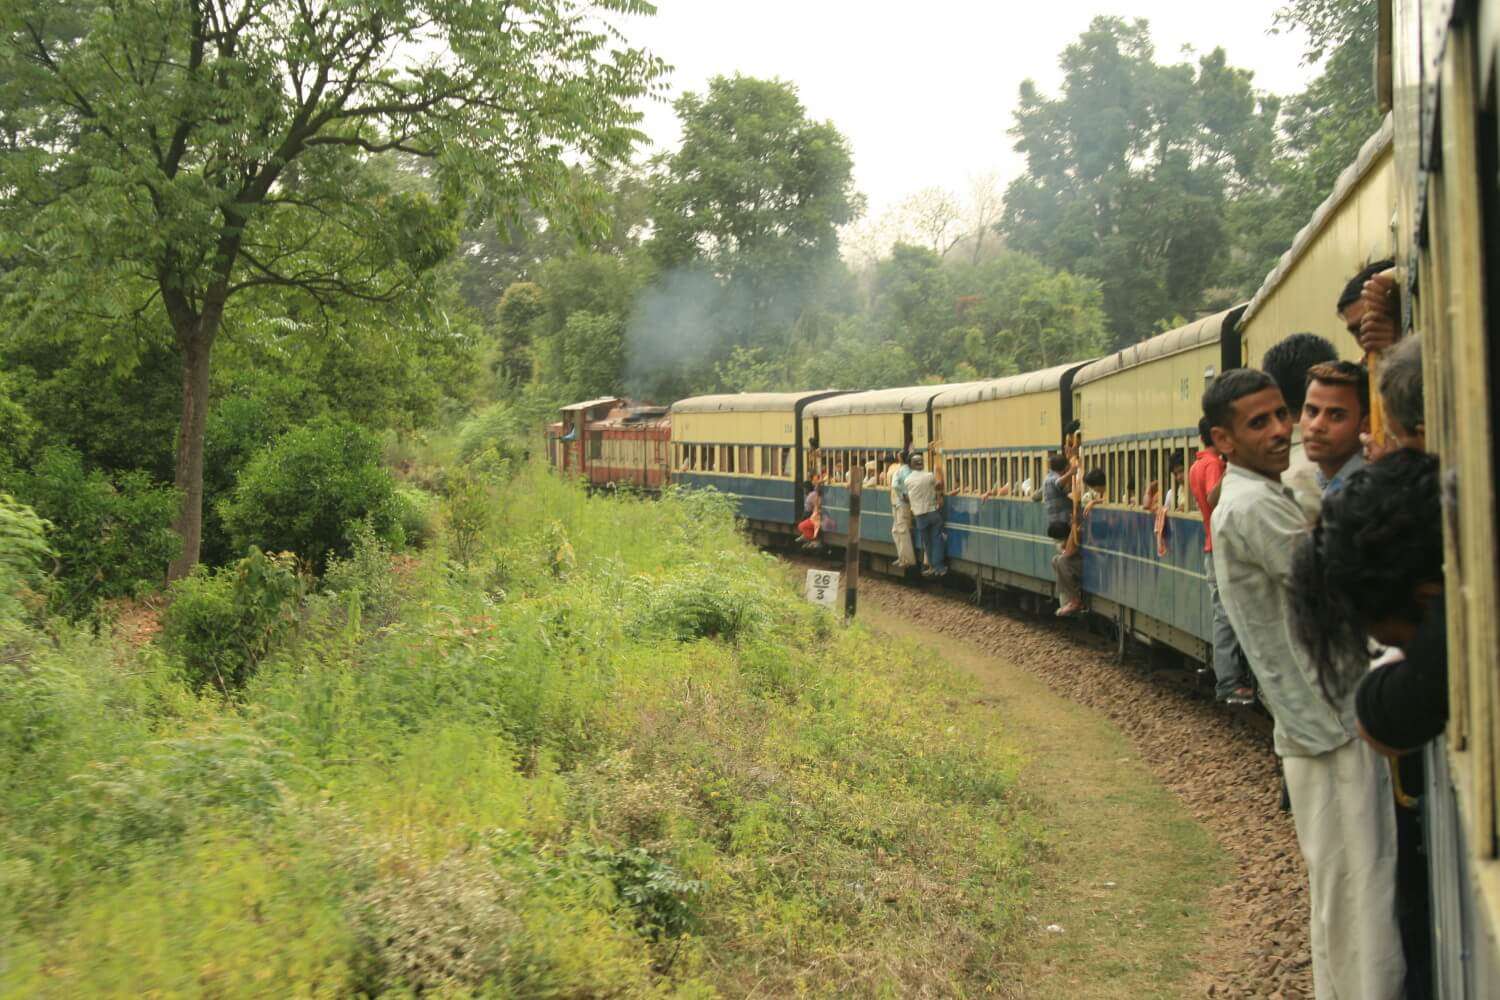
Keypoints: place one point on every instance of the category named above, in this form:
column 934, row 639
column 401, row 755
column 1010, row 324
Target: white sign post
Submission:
column 823, row 587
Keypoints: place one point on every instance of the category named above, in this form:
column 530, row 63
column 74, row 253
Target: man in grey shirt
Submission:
column 1340, row 790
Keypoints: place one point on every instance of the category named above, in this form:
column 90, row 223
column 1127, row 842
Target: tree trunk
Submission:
column 196, row 345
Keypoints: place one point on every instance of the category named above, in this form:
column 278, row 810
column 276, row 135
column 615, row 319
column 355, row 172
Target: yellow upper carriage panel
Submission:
column 1141, row 404
column 995, row 435
column 1352, row 228
column 859, row 427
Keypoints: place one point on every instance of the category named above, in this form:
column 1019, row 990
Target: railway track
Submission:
column 1217, row 761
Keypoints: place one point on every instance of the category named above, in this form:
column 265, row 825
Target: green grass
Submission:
column 613, row 755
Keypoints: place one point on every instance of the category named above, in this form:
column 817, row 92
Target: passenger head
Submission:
column 1249, row 420
column 1094, row 479
column 1351, row 306
column 1401, row 390
column 916, row 460
column 1288, row 361
column 1058, row 462
column 1370, row 566
column 1206, row 432
column 1175, row 465
column 1335, row 413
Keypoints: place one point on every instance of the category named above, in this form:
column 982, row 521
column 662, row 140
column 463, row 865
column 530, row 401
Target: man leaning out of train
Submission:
column 1365, row 306
column 923, row 492
column 902, row 520
column 1340, row 789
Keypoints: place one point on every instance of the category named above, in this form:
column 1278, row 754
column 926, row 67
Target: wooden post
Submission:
column 851, row 548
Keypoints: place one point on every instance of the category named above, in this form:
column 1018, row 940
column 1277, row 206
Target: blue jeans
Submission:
column 1228, row 661
column 930, row 529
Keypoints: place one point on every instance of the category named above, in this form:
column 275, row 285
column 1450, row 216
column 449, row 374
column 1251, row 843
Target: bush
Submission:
column 467, row 507
column 258, row 410
column 23, row 549
column 416, row 511
column 366, row 573
column 498, row 426
column 224, row 622
column 302, row 493
column 113, row 538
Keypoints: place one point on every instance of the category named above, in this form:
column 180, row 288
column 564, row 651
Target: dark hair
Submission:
column 1375, row 541
column 1206, row 432
column 1175, row 461
column 1401, row 383
column 1343, row 373
column 1236, row 383
column 1287, row 361
column 1058, row 462
column 1356, row 285
column 1094, row 478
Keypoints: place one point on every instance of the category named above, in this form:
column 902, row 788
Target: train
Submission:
column 1422, row 191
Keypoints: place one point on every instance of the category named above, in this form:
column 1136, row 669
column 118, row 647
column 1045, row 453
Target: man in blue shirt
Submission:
column 1335, row 412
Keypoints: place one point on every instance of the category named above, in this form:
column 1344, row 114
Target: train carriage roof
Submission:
column 908, row 399
column 748, row 402
column 1046, row 380
column 1349, row 180
column 1195, row 334
column 592, row 403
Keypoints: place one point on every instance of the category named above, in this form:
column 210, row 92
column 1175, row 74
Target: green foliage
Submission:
column 189, row 172
column 661, row 897
column 1130, row 169
column 365, row 576
column 23, row 554
column 528, row 797
column 304, row 491
column 516, row 316
column 466, row 509
column 500, row 427
column 223, row 623
column 113, row 537
column 417, row 513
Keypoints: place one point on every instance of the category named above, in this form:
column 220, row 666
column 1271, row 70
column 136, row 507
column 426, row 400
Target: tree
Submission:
column 1130, row 168
column 933, row 216
column 516, row 317
column 166, row 161
column 753, row 198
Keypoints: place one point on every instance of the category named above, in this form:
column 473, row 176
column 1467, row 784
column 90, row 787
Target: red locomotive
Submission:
column 612, row 442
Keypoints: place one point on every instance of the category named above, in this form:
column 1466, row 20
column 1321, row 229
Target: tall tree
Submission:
column 167, row 160
column 754, row 196
column 1130, row 168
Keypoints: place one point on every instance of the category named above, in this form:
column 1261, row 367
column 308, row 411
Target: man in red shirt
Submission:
column 1232, row 679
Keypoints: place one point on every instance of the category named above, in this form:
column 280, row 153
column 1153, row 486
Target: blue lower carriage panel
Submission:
column 757, row 499
column 1120, row 563
column 1007, row 534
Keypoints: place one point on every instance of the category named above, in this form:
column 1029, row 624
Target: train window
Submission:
column 596, row 444
column 766, row 466
column 986, row 478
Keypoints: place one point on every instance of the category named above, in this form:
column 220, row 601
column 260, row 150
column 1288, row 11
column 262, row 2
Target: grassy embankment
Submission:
column 617, row 755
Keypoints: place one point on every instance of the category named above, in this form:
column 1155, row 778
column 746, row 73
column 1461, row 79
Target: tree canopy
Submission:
column 164, row 162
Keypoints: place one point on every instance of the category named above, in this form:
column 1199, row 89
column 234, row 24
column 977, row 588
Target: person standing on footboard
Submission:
column 1339, row 787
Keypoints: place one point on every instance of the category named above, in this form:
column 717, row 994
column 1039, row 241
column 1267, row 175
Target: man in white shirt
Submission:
column 901, row 515
column 1340, row 790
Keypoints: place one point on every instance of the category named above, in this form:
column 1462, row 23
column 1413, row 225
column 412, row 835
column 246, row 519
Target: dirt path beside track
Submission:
column 1129, row 775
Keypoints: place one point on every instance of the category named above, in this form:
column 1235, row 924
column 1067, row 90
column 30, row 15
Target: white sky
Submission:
column 924, row 91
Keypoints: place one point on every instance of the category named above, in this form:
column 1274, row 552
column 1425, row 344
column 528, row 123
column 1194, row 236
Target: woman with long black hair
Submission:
column 1373, row 569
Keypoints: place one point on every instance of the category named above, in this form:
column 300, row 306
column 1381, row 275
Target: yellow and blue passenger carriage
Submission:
column 847, row 432
column 993, row 440
column 1138, row 408
column 749, row 446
